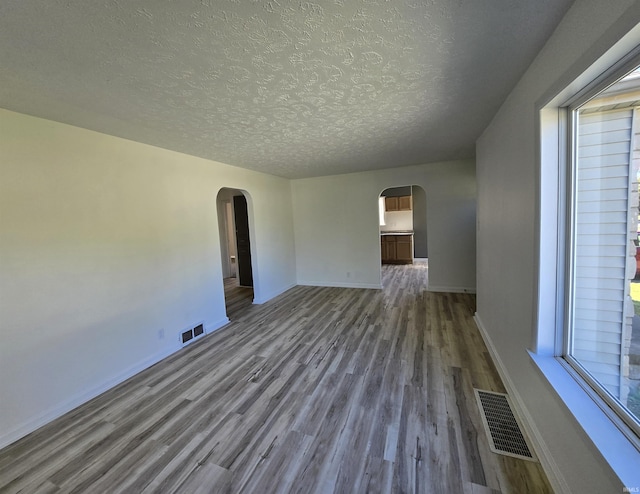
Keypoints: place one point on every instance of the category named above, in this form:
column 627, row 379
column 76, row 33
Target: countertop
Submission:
column 399, row 232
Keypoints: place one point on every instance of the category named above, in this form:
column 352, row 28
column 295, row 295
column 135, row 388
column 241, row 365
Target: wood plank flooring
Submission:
column 237, row 298
column 320, row 390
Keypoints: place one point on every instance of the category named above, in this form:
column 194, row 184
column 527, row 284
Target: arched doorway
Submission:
column 403, row 225
column 235, row 250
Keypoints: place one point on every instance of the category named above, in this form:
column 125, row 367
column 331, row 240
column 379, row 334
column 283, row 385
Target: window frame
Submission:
column 585, row 408
column 567, row 188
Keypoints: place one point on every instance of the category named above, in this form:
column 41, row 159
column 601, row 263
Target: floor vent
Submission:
column 191, row 334
column 503, row 430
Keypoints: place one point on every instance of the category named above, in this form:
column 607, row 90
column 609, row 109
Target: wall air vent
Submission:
column 191, row 334
column 198, row 330
column 187, row 335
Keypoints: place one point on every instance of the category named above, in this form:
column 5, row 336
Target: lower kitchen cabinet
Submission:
column 396, row 249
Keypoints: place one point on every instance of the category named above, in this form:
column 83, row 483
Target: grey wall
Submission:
column 397, row 191
column 420, row 226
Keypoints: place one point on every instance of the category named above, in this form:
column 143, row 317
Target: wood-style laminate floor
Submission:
column 237, row 298
column 319, row 390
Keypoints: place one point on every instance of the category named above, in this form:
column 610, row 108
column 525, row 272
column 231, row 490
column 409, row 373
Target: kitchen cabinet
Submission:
column 401, row 203
column 404, row 248
column 396, row 249
column 404, row 203
column 388, row 249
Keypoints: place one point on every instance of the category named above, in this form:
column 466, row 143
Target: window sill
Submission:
column 616, row 449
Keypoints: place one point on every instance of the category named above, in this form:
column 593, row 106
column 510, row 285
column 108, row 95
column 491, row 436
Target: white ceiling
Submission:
column 290, row 88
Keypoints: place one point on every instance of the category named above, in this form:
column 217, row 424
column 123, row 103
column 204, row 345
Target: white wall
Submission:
column 506, row 171
column 337, row 229
column 104, row 243
column 397, row 221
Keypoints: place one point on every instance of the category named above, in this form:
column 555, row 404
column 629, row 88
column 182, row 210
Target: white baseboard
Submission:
column 451, row 289
column 263, row 299
column 57, row 411
column 556, row 479
column 8, row 437
column 210, row 328
column 339, row 284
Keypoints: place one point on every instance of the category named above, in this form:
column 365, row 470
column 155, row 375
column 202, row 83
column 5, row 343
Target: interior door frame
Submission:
column 426, row 225
column 244, row 269
column 226, row 193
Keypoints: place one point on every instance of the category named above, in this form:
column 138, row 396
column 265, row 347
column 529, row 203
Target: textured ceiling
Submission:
column 291, row 88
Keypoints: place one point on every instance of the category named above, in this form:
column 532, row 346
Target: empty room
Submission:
column 346, row 246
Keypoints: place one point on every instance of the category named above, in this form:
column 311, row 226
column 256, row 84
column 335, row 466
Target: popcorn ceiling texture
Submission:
column 291, row 88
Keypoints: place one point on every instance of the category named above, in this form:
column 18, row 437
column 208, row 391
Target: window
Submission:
column 602, row 280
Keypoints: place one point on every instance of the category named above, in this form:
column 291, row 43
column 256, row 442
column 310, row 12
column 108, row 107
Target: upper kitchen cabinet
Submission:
column 404, row 203
column 401, row 203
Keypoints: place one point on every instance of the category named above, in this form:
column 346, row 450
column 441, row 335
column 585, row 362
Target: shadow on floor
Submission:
column 238, row 299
